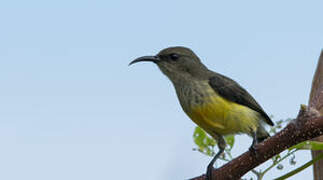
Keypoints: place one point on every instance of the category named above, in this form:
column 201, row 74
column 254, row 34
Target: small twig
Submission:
column 280, row 160
column 306, row 165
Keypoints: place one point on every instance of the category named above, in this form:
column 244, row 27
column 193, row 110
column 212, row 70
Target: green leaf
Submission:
column 210, row 141
column 308, row 145
column 230, row 141
column 203, row 141
column 199, row 136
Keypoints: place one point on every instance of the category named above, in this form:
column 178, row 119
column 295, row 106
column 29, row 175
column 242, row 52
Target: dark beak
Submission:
column 154, row 59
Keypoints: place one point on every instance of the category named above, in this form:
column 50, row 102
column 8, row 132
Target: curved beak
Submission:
column 154, row 59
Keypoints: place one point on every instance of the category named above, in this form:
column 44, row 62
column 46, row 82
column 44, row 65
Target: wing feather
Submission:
column 232, row 91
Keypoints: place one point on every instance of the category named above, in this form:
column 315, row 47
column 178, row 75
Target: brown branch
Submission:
column 316, row 96
column 316, row 101
column 307, row 125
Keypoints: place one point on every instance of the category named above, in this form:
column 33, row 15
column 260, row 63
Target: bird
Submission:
column 216, row 103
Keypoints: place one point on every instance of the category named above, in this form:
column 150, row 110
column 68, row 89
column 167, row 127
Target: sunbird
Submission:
column 216, row 103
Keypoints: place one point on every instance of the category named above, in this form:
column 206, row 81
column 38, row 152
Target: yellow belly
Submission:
column 221, row 116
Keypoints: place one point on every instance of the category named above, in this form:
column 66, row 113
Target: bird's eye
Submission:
column 174, row 56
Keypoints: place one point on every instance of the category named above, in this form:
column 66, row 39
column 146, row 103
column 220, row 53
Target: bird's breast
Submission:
column 214, row 113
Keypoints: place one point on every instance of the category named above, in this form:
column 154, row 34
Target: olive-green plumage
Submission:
column 215, row 102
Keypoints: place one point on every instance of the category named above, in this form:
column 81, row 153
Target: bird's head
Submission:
column 176, row 63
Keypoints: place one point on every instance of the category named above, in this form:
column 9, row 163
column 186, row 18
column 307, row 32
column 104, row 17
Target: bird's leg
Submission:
column 221, row 145
column 252, row 148
column 254, row 140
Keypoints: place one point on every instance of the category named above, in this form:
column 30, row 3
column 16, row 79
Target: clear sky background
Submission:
column 71, row 108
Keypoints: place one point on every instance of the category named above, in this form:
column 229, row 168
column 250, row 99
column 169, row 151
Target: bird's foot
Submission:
column 254, row 150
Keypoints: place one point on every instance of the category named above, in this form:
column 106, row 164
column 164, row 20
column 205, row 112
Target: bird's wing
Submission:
column 232, row 91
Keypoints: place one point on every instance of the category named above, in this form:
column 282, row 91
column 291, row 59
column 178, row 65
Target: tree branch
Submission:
column 316, row 101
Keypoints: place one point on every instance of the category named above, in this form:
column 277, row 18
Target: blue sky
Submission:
column 71, row 108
